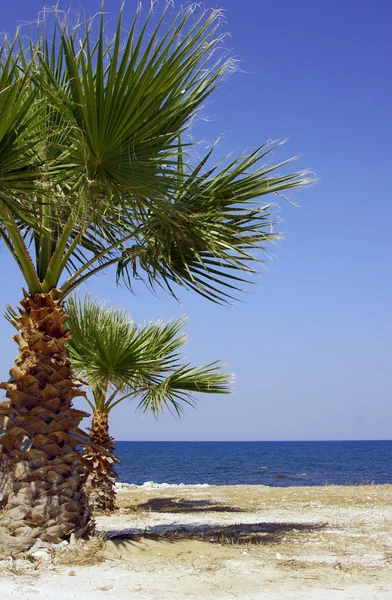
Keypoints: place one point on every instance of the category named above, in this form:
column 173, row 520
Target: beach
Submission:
column 218, row 542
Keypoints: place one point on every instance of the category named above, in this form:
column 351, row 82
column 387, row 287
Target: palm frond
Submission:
column 107, row 348
column 92, row 172
column 216, row 229
column 11, row 316
column 121, row 361
column 125, row 102
column 178, row 389
column 18, row 131
column 88, row 130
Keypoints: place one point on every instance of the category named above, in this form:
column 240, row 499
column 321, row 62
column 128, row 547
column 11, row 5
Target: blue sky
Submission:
column 311, row 344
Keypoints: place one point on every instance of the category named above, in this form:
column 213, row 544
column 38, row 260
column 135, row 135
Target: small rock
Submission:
column 39, row 545
column 44, row 554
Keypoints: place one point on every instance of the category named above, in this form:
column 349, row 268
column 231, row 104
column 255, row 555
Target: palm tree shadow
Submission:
column 243, row 533
column 175, row 505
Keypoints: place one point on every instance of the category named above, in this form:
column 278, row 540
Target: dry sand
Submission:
column 244, row 542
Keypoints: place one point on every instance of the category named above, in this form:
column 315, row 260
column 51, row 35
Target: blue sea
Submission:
column 256, row 463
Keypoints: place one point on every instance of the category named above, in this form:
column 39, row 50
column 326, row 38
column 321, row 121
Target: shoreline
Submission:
column 153, row 485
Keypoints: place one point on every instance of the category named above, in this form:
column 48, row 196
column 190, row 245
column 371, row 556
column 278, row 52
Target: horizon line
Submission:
column 251, row 441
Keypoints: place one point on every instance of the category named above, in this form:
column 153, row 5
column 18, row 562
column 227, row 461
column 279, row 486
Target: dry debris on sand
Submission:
column 245, row 542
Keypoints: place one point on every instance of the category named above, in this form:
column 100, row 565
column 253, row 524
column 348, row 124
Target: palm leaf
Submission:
column 127, row 100
column 120, row 360
column 107, row 348
column 216, row 228
column 178, row 389
column 92, row 172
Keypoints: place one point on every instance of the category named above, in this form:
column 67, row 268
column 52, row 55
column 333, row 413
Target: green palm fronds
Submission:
column 120, row 360
column 92, row 173
column 215, row 231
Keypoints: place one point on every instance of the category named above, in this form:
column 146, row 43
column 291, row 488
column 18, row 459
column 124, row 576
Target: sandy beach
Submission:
column 244, row 542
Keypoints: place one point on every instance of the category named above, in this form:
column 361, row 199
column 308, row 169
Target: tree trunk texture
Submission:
column 101, row 481
column 41, row 471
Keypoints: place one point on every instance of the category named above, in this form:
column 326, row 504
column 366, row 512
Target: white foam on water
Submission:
column 151, row 485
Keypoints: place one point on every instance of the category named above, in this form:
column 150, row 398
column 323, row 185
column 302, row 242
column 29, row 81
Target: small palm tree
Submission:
column 121, row 361
column 92, row 175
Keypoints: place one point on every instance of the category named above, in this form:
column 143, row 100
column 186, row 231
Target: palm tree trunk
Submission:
column 102, row 478
column 42, row 475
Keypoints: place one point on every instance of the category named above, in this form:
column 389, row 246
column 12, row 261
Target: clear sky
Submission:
column 311, row 344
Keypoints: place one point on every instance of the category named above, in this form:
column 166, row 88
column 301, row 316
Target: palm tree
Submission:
column 121, row 361
column 93, row 175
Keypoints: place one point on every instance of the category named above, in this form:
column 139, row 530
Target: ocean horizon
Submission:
column 272, row 463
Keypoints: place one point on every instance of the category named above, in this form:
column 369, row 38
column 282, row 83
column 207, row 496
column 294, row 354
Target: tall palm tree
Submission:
column 92, row 175
column 121, row 361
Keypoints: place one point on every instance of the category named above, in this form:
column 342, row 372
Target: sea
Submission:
column 279, row 464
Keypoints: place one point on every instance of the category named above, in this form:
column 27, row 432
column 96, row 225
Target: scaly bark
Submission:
column 42, row 475
column 101, row 481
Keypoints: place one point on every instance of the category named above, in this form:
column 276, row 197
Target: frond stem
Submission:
column 73, row 245
column 68, row 287
column 113, row 404
column 111, row 398
column 24, row 259
column 54, row 269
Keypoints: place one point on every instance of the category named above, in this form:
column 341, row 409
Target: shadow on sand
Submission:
column 175, row 505
column 244, row 533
